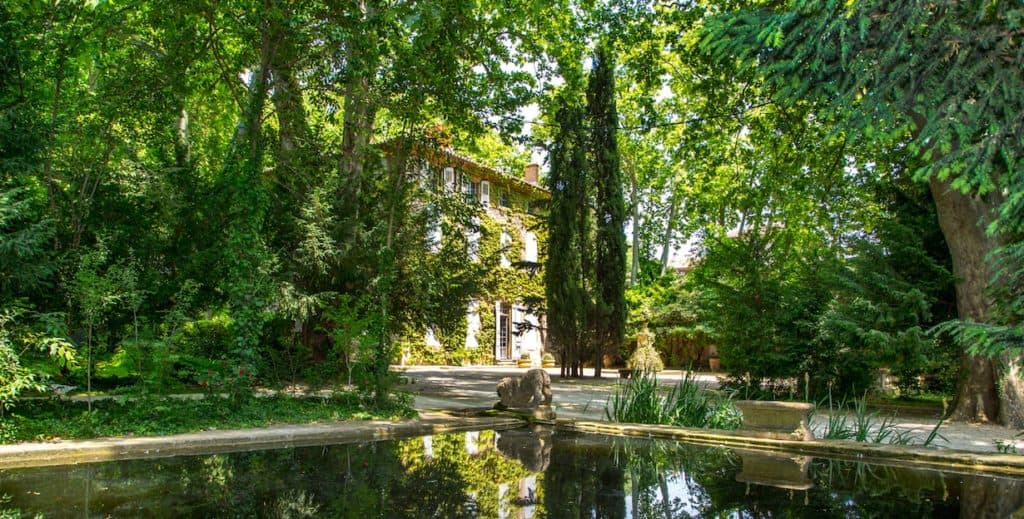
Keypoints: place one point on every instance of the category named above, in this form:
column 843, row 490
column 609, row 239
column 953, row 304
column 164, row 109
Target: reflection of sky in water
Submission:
column 680, row 496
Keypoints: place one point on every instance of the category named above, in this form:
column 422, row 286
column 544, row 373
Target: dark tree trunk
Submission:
column 296, row 154
column 963, row 220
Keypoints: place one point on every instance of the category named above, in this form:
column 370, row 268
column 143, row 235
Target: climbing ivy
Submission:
column 458, row 280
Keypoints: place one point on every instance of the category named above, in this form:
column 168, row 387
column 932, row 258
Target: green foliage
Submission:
column 867, row 427
column 610, row 209
column 698, row 407
column 202, row 181
column 642, row 400
column 645, row 359
column 564, row 281
column 208, row 337
column 15, row 378
column 883, row 299
column 350, row 325
column 26, row 262
column 758, row 300
column 42, row 420
column 41, row 339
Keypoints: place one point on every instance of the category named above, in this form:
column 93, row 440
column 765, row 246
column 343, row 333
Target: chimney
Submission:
column 530, row 173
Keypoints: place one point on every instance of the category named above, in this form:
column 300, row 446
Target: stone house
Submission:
column 501, row 325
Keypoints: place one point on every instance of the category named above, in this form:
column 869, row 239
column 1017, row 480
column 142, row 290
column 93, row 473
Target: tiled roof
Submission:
column 441, row 156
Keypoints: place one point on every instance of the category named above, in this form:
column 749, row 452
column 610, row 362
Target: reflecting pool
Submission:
column 520, row 473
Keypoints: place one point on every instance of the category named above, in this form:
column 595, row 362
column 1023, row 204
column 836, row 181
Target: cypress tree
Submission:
column 610, row 242
column 563, row 273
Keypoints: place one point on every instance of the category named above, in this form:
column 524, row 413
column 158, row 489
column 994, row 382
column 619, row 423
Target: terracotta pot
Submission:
column 715, row 363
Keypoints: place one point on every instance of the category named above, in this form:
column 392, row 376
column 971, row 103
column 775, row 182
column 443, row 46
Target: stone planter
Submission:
column 777, row 420
column 547, row 364
column 524, row 363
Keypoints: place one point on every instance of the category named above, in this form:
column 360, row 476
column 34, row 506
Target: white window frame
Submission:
column 485, row 193
column 448, row 178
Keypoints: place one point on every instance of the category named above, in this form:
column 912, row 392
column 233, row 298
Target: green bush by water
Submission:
column 41, row 420
column 640, row 400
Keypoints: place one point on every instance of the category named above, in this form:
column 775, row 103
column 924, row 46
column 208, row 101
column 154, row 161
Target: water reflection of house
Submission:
column 497, row 484
column 514, row 205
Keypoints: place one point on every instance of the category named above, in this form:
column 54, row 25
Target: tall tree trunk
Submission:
column 296, row 153
column 635, row 263
column 182, row 145
column 666, row 242
column 963, row 220
column 359, row 110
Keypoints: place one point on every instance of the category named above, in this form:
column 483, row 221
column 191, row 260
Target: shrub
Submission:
column 645, row 359
column 208, row 337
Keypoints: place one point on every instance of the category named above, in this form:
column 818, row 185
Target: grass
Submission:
column 642, row 400
column 44, row 420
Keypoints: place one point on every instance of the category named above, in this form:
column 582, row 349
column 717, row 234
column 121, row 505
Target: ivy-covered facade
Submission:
column 483, row 232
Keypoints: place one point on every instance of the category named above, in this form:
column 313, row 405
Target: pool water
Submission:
column 518, row 473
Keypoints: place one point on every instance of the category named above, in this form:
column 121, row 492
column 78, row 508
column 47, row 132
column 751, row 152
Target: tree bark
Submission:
column 635, row 266
column 963, row 220
column 359, row 110
column 295, row 147
column 669, row 229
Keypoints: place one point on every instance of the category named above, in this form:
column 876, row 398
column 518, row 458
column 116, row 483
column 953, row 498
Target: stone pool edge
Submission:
column 71, row 452
column 947, row 460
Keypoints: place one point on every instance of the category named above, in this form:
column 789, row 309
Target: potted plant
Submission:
column 524, row 361
column 714, row 363
column 547, row 361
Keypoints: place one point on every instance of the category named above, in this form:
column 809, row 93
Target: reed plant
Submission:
column 868, row 426
column 641, row 400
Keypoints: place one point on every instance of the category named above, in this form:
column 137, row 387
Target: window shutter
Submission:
column 485, row 193
column 449, row 179
column 506, row 240
column 530, row 247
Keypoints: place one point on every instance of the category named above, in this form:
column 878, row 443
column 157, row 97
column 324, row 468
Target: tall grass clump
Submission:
column 641, row 400
column 867, row 426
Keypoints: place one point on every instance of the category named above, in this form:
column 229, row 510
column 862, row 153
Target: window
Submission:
column 470, row 190
column 485, row 193
column 506, row 198
column 448, row 179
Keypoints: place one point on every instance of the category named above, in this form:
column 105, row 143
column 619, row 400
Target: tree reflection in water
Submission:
column 521, row 473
